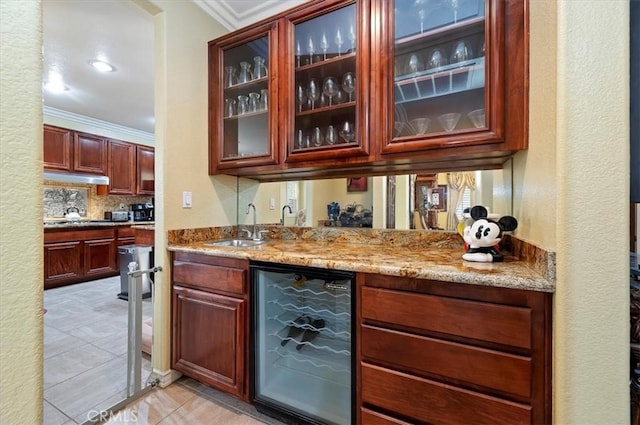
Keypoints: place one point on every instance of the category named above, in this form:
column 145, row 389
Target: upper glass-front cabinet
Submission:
column 326, row 82
column 242, row 110
column 444, row 86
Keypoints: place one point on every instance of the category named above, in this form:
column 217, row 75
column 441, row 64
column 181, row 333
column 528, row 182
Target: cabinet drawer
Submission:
column 503, row 372
column 431, row 402
column 209, row 277
column 369, row 417
column 501, row 324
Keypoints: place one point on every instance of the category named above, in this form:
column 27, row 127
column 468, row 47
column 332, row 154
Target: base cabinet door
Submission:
column 99, row 257
column 62, row 262
column 208, row 342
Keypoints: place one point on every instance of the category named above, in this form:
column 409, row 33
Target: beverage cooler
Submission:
column 302, row 343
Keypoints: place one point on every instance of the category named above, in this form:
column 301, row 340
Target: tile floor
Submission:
column 85, row 349
column 85, row 344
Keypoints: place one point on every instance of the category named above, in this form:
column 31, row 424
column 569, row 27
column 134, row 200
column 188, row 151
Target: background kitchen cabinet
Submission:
column 145, row 174
column 89, row 153
column 210, row 320
column 62, row 263
column 122, row 168
column 125, row 236
column 429, row 348
column 67, row 150
column 78, row 255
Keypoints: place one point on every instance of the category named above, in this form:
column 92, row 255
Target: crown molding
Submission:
column 48, row 111
column 221, row 11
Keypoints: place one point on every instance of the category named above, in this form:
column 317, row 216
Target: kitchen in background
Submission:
column 91, row 205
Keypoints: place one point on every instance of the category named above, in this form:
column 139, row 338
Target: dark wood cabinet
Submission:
column 79, row 255
column 68, row 150
column 99, row 257
column 122, row 168
column 124, row 236
column 145, row 173
column 62, row 263
column 437, row 352
column 210, row 320
column 89, row 153
column 57, row 148
column 437, row 87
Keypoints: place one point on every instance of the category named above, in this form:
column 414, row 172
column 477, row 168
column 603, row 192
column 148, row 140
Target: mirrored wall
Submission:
column 429, row 201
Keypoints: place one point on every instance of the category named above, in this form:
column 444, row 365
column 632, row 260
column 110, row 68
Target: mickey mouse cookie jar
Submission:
column 482, row 235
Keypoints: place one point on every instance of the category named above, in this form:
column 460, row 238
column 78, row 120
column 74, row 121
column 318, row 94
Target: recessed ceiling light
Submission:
column 102, row 66
column 55, row 84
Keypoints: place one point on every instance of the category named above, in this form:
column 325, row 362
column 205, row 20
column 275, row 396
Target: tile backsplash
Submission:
column 60, row 196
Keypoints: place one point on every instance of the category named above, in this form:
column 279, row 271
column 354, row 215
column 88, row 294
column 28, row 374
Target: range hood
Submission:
column 75, row 178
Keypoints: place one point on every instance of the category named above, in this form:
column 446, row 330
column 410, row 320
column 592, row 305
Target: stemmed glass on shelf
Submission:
column 313, row 92
column 301, row 96
column 324, row 45
column 349, row 84
column 330, row 88
column 311, row 48
column 339, row 41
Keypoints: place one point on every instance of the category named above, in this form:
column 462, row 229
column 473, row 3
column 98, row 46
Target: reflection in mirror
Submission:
column 432, row 201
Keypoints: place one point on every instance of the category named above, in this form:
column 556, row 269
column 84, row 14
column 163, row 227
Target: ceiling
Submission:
column 121, row 33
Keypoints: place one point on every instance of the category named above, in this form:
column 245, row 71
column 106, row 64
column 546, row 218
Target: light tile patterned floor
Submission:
column 85, row 347
column 85, row 343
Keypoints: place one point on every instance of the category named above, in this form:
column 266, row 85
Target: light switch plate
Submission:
column 272, row 203
column 186, row 199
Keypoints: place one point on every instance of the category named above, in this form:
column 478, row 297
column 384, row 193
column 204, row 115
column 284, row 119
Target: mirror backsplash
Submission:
column 411, row 201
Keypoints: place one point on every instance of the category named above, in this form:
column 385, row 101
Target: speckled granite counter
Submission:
column 426, row 255
column 61, row 224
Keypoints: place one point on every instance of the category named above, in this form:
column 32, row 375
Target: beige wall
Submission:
column 579, row 138
column 21, row 237
column 182, row 31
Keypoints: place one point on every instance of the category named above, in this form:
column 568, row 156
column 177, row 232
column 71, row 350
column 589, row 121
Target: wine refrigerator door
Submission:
column 302, row 346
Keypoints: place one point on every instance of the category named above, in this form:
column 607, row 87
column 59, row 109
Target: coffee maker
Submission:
column 141, row 212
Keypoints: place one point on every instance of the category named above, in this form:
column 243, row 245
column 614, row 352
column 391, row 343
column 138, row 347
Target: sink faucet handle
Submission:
column 247, row 231
column 259, row 234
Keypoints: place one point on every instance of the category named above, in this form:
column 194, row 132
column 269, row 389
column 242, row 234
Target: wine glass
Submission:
column 347, row 132
column 299, row 139
column 330, row 88
column 298, row 53
column 352, row 37
column 414, row 64
column 461, row 52
column 301, row 96
column 421, row 6
column 455, row 4
column 339, row 40
column 317, row 138
column 349, row 83
column 311, row 48
column 332, row 135
column 437, row 59
column 313, row 92
column 324, row 45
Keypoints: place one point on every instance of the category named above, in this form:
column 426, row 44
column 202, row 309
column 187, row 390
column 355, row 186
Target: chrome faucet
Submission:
column 290, row 212
column 255, row 235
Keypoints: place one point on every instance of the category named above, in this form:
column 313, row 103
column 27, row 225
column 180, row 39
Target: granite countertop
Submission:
column 438, row 259
column 63, row 224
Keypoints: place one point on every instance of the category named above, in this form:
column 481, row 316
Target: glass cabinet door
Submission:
column 326, row 83
column 444, row 79
column 242, row 105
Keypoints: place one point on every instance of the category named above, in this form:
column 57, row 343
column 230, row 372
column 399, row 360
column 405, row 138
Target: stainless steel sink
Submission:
column 238, row 243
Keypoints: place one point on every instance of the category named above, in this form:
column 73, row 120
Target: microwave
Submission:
column 141, row 212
